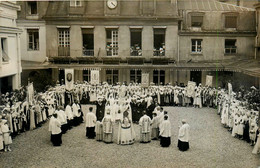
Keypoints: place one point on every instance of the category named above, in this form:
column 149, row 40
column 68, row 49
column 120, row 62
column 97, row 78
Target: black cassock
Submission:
column 150, row 110
column 134, row 111
column 100, row 110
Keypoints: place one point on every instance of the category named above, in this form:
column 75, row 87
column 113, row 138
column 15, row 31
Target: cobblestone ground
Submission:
column 211, row 146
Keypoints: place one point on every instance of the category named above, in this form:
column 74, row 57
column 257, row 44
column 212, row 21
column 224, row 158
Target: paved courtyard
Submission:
column 211, row 146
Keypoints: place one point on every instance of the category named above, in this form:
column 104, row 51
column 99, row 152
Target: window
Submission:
column 88, row 42
column 5, row 57
column 230, row 21
column 75, row 3
column 196, row 46
column 196, row 21
column 159, row 42
column 112, row 42
column 32, row 8
column 136, row 76
column 86, row 75
column 136, row 42
column 33, row 39
column 64, row 42
column 159, row 77
column 230, row 46
column 112, row 76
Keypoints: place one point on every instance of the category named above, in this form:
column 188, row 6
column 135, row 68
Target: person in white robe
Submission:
column 145, row 128
column 61, row 116
column 126, row 134
column 155, row 127
column 76, row 114
column 184, row 136
column 91, row 120
column 107, row 122
column 55, row 129
column 165, row 132
column 69, row 115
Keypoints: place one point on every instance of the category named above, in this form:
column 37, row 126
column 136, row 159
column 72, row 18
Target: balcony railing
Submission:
column 87, row 52
column 136, row 52
column 112, row 51
column 159, row 52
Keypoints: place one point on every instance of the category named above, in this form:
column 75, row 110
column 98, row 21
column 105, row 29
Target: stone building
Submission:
column 172, row 40
column 10, row 61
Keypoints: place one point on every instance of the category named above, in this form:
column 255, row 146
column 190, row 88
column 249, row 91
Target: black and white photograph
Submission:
column 130, row 84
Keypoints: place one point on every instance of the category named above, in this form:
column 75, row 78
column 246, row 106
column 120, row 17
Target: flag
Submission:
column 69, row 79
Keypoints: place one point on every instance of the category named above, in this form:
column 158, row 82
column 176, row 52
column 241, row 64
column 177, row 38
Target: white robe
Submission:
column 184, row 133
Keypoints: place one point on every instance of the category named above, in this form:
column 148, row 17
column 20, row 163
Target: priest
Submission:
column 145, row 128
column 184, row 136
column 91, row 120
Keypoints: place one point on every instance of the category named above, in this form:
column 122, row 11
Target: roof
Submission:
column 210, row 5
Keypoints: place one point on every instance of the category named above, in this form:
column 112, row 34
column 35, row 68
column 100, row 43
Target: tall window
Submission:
column 159, row 77
column 75, row 3
column 230, row 46
column 32, row 7
column 86, row 75
column 64, row 42
column 33, row 39
column 159, row 42
column 136, row 42
column 136, row 76
column 88, row 42
column 112, row 76
column 112, row 42
column 230, row 21
column 4, row 52
column 196, row 46
column 196, row 21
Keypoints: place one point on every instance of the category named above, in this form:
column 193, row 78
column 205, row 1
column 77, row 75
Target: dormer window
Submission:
column 230, row 21
column 196, row 21
column 32, row 8
column 75, row 3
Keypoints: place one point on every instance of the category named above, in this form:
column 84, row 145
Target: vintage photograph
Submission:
column 130, row 84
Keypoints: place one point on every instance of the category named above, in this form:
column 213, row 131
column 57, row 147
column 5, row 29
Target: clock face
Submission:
column 112, row 4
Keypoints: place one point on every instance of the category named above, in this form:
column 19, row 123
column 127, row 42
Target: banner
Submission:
column 94, row 80
column 230, row 90
column 209, row 80
column 85, row 109
column 145, row 79
column 69, row 79
column 191, row 88
column 30, row 93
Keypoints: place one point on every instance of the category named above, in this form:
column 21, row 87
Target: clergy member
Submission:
column 145, row 128
column 184, row 136
column 165, row 132
column 108, row 128
column 91, row 120
column 55, row 128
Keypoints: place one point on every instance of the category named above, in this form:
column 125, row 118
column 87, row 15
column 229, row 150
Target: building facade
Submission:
column 10, row 58
column 171, row 40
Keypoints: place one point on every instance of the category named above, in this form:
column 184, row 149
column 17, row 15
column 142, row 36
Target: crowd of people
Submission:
column 125, row 105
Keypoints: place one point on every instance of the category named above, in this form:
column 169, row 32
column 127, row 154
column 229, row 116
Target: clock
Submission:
column 112, row 4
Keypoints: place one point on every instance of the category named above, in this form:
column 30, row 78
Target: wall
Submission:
column 213, row 48
column 35, row 55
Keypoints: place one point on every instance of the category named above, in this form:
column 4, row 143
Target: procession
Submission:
column 103, row 106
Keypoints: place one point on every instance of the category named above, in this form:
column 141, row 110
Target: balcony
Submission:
column 88, row 52
column 112, row 51
column 160, row 52
column 136, row 52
